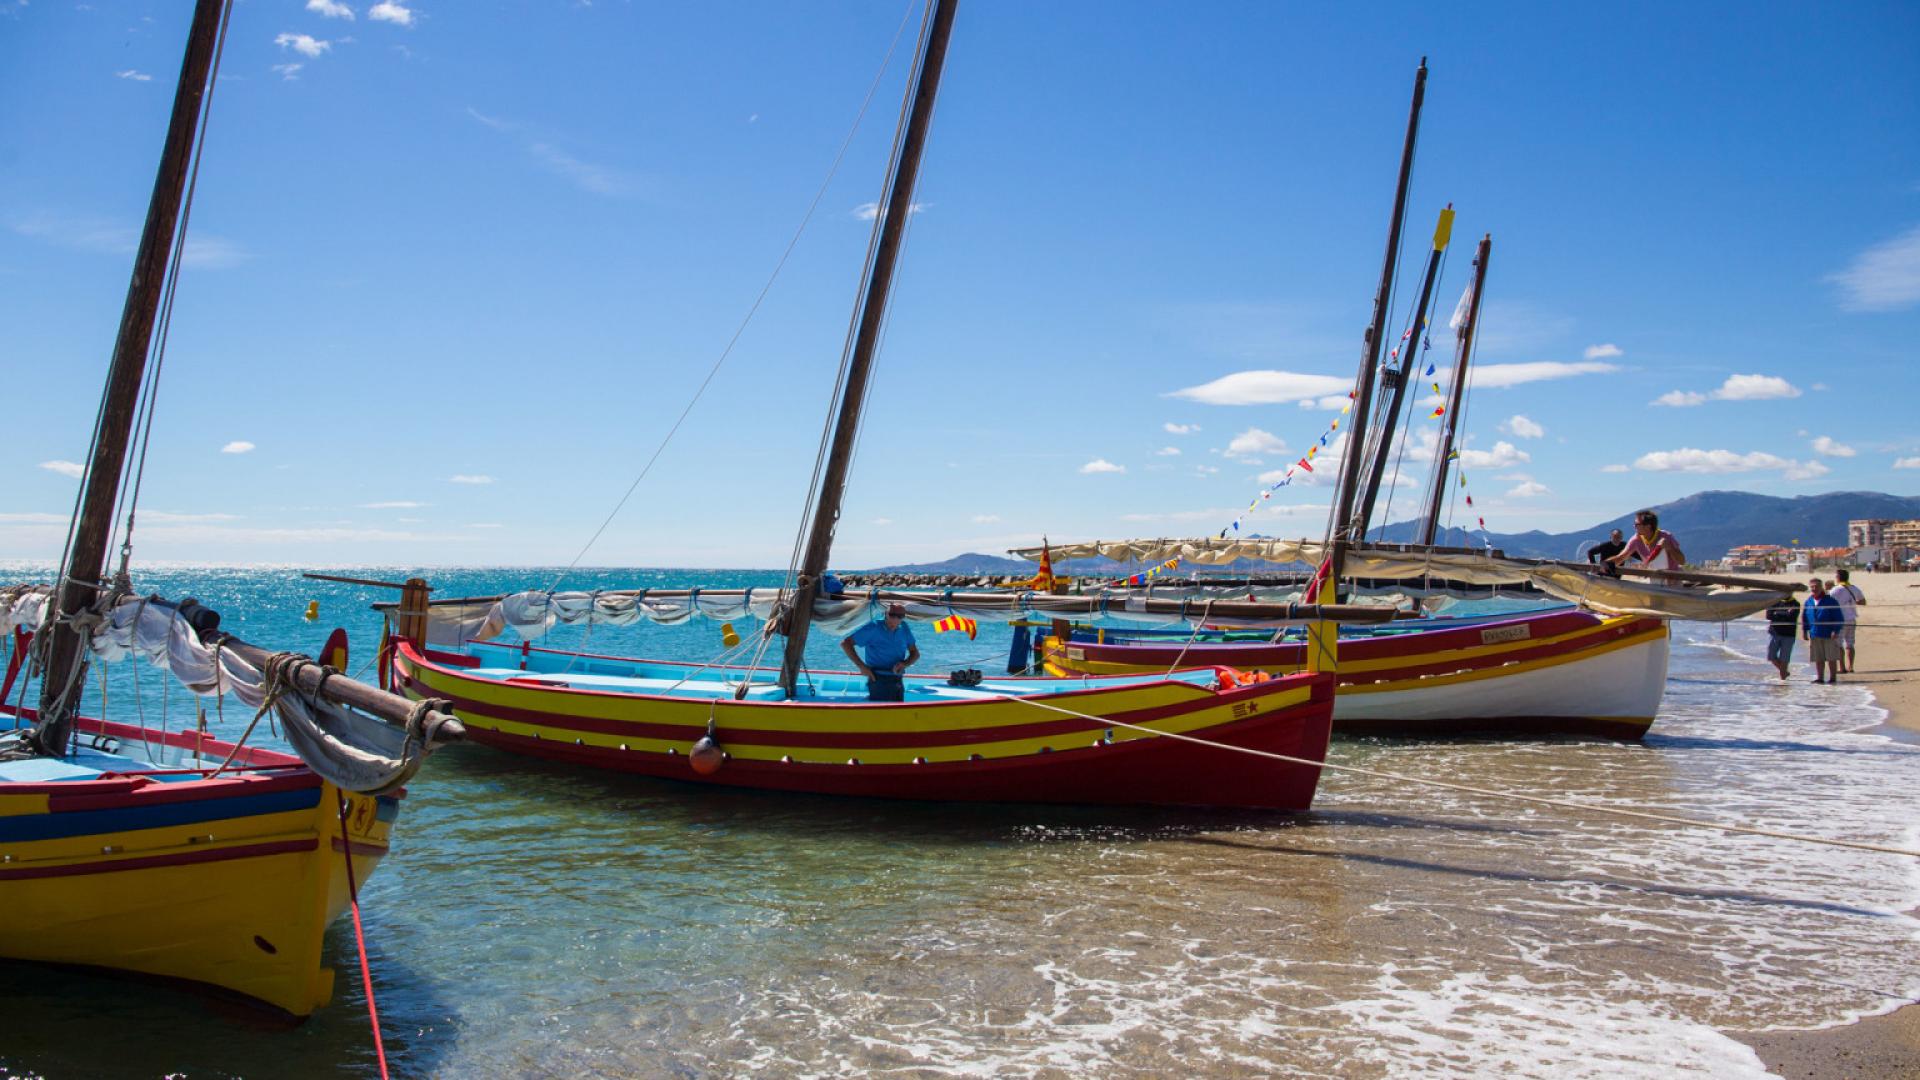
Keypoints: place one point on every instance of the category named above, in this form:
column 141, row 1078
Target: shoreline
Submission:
column 1887, row 1044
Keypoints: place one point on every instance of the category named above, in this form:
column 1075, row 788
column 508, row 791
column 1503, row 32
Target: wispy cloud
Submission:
column 305, row 44
column 394, row 504
column 1180, row 429
column 288, row 72
column 55, row 519
column 1101, row 465
column 869, row 211
column 1522, row 427
column 135, row 76
column 1826, row 447
column 166, row 517
column 1167, row 451
column 585, row 175
column 1907, row 463
column 1263, row 388
column 986, row 519
column 1615, row 468
column 470, row 478
column 65, row 468
column 212, row 253
column 883, row 522
column 1602, row 352
column 1720, row 462
column 390, row 12
column 330, row 9
column 1679, row 399
column 238, row 446
column 1491, row 376
column 1885, row 277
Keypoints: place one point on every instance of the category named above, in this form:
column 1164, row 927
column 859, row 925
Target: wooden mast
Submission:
column 1462, row 351
column 83, row 566
column 1342, row 536
column 1397, row 379
column 892, row 224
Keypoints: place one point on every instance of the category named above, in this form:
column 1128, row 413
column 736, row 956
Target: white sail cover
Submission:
column 1566, row 581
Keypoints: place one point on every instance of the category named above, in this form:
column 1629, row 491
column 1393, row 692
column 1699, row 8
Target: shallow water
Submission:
column 541, row 921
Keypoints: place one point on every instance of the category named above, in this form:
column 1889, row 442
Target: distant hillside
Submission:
column 1708, row 525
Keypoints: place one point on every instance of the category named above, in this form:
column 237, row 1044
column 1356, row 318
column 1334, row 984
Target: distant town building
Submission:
column 1867, row 532
column 1899, row 534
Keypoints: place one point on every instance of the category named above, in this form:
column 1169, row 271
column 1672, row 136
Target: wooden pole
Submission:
column 1370, row 348
column 891, row 223
column 1398, row 380
column 1463, row 351
column 83, row 565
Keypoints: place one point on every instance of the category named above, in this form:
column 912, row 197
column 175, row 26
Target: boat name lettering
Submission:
column 1505, row 633
column 1076, row 654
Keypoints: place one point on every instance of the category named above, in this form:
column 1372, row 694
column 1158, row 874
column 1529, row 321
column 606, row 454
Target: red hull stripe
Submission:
column 360, row 847
column 245, row 851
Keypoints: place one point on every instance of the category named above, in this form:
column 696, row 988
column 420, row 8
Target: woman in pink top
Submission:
column 1655, row 548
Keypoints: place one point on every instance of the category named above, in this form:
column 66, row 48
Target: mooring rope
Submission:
column 1643, row 815
column 359, row 933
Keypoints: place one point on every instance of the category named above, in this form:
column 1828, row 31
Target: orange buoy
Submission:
column 707, row 757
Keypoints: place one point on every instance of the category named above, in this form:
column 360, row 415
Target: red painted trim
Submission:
column 452, row 659
column 184, row 858
column 360, row 847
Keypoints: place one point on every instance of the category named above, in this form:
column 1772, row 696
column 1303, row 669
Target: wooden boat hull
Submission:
column 1554, row 674
column 990, row 750
column 229, row 882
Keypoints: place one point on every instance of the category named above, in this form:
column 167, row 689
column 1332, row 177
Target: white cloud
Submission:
column 1101, row 465
column 1254, row 442
column 1614, row 468
column 65, row 468
column 467, row 478
column 1680, row 399
column 1522, row 427
column 396, row 504
column 134, row 75
column 585, row 175
column 163, row 517
column 1898, row 463
column 330, row 9
column 1602, row 352
column 986, row 519
column 388, row 11
column 288, row 72
column 1206, row 470
column 1528, row 489
column 305, row 44
column 1167, row 451
column 1502, row 455
column 1885, row 277
column 1491, row 376
column 1827, row 447
column 1263, row 388
column 1180, row 429
column 869, row 211
column 1755, row 388
column 1714, row 462
column 882, row 521
column 238, row 446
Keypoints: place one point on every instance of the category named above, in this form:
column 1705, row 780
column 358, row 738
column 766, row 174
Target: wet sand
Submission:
column 1888, row 655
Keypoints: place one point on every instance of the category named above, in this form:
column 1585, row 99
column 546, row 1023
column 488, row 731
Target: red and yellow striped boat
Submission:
column 1015, row 740
column 1555, row 673
column 110, row 860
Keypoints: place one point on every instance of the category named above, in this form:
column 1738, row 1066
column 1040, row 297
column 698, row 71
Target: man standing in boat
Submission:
column 890, row 651
column 1654, row 547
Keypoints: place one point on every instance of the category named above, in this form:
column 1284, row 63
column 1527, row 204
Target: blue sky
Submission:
column 457, row 268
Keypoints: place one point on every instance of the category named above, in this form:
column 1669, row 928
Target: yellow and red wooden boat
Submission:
column 127, row 855
column 1016, row 740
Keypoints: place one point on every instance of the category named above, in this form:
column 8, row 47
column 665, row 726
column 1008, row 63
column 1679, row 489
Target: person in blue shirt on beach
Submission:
column 1821, row 621
column 890, row 651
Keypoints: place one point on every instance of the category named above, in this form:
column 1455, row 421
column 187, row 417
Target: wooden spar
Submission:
column 1370, row 349
column 1462, row 352
column 360, row 581
column 891, row 223
column 83, row 564
column 1398, row 380
column 316, row 679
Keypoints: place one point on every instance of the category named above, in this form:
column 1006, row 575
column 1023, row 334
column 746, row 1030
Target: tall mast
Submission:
column 83, row 566
column 1463, row 349
column 892, row 223
column 1397, row 379
column 1370, row 349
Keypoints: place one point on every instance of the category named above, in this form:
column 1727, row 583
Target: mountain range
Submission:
column 1707, row 525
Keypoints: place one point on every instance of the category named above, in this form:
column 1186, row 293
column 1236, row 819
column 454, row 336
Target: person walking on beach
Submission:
column 1851, row 599
column 890, row 650
column 1821, row 621
column 1602, row 553
column 1783, row 626
column 1655, row 547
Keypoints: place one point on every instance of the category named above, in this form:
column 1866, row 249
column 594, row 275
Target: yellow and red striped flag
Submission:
column 957, row 622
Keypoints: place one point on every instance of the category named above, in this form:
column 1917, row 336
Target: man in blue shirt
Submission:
column 1821, row 620
column 890, row 650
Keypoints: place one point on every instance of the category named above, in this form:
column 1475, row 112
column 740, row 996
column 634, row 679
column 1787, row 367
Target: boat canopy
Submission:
column 1662, row 594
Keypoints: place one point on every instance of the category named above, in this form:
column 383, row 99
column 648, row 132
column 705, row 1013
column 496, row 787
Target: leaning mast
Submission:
column 1397, row 379
column 892, row 220
column 1463, row 350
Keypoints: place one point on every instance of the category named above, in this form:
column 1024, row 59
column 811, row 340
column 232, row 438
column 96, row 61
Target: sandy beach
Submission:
column 1888, row 656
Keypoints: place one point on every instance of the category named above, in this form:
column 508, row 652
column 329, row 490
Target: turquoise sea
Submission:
column 535, row 920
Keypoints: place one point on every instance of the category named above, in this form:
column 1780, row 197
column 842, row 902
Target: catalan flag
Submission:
column 957, row 622
column 1043, row 581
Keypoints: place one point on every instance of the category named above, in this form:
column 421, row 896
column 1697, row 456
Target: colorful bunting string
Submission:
column 1305, row 464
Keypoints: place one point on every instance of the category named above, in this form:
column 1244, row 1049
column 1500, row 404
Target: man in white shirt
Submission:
column 1850, row 597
